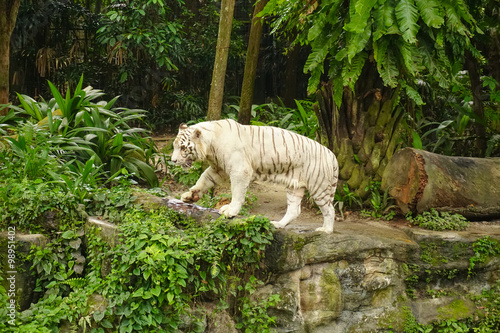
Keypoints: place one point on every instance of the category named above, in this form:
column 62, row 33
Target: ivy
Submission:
column 162, row 266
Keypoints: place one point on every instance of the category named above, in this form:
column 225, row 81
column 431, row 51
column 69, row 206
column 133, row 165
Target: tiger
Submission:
column 244, row 153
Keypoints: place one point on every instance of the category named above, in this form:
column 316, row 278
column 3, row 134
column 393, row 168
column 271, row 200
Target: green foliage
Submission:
column 142, row 29
column 8, row 122
column 380, row 202
column 484, row 249
column 254, row 317
column 111, row 203
column 404, row 38
column 58, row 263
column 187, row 177
column 411, row 325
column 301, row 120
column 27, row 204
column 162, row 265
column 345, row 198
column 489, row 317
column 434, row 220
column 443, row 137
column 84, row 129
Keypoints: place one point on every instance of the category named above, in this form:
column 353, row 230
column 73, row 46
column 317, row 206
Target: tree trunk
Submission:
column 8, row 16
column 364, row 131
column 220, row 63
column 251, row 62
column 477, row 103
column 420, row 180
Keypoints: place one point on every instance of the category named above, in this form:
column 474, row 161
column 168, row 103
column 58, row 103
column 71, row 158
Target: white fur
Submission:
column 246, row 153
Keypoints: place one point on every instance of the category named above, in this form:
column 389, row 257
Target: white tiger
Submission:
column 246, row 153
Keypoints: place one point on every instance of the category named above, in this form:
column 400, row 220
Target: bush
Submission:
column 81, row 128
column 163, row 265
column 433, row 220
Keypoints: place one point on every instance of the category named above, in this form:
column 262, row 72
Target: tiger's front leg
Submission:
column 240, row 180
column 208, row 179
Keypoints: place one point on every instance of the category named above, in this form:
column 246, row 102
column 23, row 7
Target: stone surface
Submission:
column 356, row 279
column 25, row 283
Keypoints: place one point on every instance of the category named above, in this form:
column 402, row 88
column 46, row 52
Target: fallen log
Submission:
column 420, row 180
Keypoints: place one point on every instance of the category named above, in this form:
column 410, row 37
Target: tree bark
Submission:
column 420, row 180
column 220, row 63
column 8, row 16
column 252, row 59
column 364, row 131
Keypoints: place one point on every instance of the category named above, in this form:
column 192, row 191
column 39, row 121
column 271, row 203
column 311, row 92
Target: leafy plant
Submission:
column 8, row 122
column 112, row 204
column 186, row 177
column 434, row 220
column 345, row 198
column 254, row 317
column 29, row 203
column 157, row 272
column 484, row 248
column 82, row 128
column 381, row 203
column 56, row 264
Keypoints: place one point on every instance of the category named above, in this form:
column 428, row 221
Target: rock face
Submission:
column 24, row 282
column 369, row 276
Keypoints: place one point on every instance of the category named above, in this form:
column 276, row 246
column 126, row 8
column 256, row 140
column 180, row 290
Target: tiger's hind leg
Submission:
column 328, row 212
column 294, row 200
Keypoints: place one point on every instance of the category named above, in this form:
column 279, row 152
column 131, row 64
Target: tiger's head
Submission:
column 186, row 146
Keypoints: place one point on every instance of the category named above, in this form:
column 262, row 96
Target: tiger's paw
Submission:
column 191, row 196
column 278, row 224
column 325, row 230
column 229, row 211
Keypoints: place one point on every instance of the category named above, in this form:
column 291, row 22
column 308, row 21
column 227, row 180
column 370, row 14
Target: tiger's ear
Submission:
column 182, row 127
column 196, row 136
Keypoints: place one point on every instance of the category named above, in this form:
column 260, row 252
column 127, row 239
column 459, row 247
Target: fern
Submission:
column 74, row 282
column 412, row 93
column 430, row 12
column 410, row 56
column 383, row 18
column 386, row 62
column 453, row 15
column 358, row 41
column 407, row 16
column 352, row 71
column 360, row 13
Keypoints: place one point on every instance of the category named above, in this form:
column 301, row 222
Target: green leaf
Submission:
column 170, row 297
column 99, row 315
column 359, row 20
column 138, row 293
column 417, row 142
column 215, row 270
column 69, row 234
column 351, row 72
column 59, row 99
column 430, row 12
column 407, row 16
column 386, row 61
column 156, row 291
